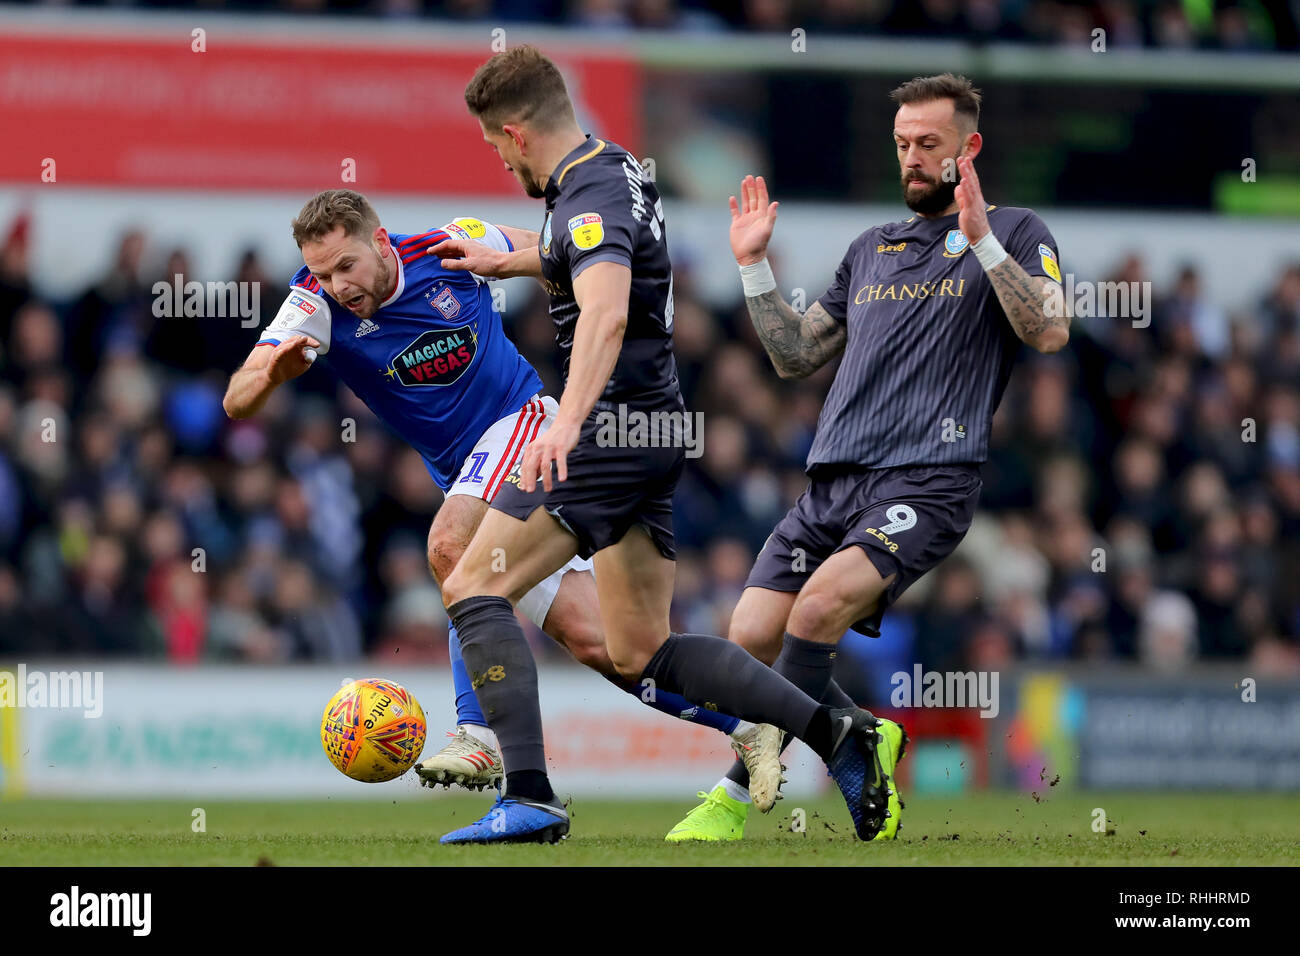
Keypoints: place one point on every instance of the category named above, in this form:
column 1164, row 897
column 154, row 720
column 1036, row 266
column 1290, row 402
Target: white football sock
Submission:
column 743, row 726
column 484, row 734
column 734, row 790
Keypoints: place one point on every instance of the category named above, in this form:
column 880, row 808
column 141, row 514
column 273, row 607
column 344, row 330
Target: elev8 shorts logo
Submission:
column 437, row 357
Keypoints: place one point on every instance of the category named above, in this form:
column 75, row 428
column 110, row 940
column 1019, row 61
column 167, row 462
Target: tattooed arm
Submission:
column 797, row 344
column 1035, row 306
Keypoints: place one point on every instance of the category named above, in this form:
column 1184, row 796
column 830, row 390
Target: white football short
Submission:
column 484, row 471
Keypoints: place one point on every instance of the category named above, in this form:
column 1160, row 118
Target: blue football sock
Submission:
column 675, row 705
column 467, row 708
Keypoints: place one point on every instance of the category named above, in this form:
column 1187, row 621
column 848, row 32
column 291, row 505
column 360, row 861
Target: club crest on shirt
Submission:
column 446, row 303
column 955, row 243
column 546, row 235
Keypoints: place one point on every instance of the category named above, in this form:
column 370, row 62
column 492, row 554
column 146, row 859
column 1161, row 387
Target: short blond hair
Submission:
column 332, row 208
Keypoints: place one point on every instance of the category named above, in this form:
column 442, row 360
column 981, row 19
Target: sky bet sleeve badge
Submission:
column 1050, row 265
column 587, row 230
column 473, row 228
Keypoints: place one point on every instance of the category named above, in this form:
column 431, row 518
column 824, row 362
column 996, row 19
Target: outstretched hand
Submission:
column 752, row 221
column 466, row 255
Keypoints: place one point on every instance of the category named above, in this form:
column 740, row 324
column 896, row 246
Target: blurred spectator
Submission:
column 1227, row 25
column 1167, row 632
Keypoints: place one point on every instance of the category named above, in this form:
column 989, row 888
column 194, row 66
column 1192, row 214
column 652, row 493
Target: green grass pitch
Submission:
column 982, row 829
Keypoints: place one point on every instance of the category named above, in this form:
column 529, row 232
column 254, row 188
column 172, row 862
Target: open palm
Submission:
column 752, row 221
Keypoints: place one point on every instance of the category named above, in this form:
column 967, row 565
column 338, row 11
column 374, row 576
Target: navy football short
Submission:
column 907, row 520
column 610, row 489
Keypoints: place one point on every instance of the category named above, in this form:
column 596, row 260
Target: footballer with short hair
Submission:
column 928, row 314
column 603, row 258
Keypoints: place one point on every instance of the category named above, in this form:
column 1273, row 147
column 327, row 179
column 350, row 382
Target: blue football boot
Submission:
column 515, row 820
column 855, row 768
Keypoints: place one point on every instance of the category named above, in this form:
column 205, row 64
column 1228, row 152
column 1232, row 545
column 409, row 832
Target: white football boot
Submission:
column 466, row 761
column 759, row 748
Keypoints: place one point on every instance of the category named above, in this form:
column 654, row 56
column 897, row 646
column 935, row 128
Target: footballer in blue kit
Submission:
column 423, row 347
column 432, row 360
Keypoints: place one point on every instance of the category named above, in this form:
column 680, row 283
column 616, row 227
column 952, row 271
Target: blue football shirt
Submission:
column 433, row 362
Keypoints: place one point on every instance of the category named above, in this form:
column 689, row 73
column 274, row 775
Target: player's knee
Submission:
column 445, row 551
column 456, row 587
column 630, row 668
column 826, row 614
column 629, row 663
column 586, row 643
column 754, row 637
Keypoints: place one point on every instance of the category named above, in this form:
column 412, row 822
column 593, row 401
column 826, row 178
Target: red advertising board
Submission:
column 257, row 112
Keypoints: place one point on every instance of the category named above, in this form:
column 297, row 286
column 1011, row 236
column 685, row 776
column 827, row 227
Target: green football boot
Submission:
column 718, row 818
column 892, row 746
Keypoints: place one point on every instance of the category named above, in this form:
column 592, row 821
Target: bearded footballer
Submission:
column 928, row 314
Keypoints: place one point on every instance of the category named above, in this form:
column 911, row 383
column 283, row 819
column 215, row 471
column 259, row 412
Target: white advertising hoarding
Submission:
column 255, row 733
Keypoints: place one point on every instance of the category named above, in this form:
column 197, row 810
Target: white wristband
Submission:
column 988, row 251
column 757, row 279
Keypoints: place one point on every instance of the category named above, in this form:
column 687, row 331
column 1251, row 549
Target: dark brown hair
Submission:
column 520, row 85
column 922, row 89
column 331, row 208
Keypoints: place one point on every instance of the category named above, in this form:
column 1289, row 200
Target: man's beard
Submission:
column 529, row 182
column 376, row 295
column 929, row 202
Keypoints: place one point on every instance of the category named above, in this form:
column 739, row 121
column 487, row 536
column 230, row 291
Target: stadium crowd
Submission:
column 1232, row 25
column 1141, row 502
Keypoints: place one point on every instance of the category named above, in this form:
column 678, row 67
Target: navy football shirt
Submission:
column 929, row 347
column 601, row 207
